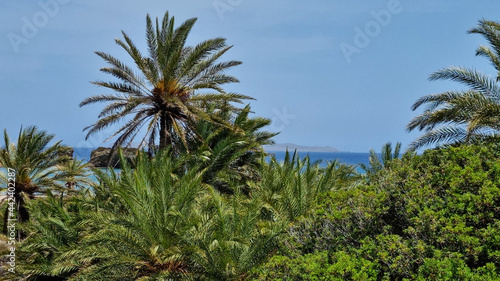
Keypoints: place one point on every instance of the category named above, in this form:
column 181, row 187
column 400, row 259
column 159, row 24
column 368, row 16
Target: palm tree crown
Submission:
column 463, row 116
column 34, row 161
column 165, row 94
column 378, row 163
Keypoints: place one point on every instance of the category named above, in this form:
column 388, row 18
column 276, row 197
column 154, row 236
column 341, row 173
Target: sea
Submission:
column 349, row 158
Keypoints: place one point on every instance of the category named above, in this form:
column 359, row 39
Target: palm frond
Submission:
column 469, row 77
column 443, row 134
column 462, row 116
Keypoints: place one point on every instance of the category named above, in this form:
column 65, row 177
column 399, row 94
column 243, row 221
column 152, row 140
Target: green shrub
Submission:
column 430, row 217
column 319, row 266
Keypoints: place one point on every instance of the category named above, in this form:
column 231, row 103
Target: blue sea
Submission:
column 350, row 158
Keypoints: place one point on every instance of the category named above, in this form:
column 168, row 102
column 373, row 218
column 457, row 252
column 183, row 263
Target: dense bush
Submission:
column 429, row 217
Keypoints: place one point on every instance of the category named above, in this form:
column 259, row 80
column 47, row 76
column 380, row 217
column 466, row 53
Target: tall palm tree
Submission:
column 463, row 116
column 168, row 92
column 34, row 161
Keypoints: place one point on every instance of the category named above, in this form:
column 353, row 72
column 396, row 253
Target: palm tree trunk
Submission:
column 22, row 214
column 164, row 131
column 5, row 217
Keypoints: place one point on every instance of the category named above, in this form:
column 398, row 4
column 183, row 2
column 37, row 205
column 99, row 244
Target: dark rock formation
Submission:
column 100, row 156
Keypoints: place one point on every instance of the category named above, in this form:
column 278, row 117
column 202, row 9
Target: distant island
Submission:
column 300, row 148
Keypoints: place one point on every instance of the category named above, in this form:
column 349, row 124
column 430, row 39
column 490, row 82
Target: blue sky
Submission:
column 328, row 72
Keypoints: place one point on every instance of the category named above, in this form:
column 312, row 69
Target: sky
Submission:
column 326, row 72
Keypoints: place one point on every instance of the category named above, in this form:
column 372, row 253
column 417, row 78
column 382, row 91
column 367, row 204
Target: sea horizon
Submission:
column 349, row 158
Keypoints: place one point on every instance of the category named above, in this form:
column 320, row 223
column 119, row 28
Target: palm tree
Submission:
column 379, row 163
column 74, row 174
column 231, row 237
column 164, row 223
column 170, row 89
column 140, row 233
column 229, row 155
column 34, row 162
column 289, row 189
column 463, row 116
column 54, row 228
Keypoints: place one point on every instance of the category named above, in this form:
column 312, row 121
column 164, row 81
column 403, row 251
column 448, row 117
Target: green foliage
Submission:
column 228, row 154
column 55, row 226
column 290, row 188
column 171, row 224
column 429, row 217
column 160, row 220
column 445, row 268
column 377, row 163
column 73, row 174
column 318, row 266
column 157, row 221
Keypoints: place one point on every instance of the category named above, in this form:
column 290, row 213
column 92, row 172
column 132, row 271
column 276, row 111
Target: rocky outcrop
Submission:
column 100, row 156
